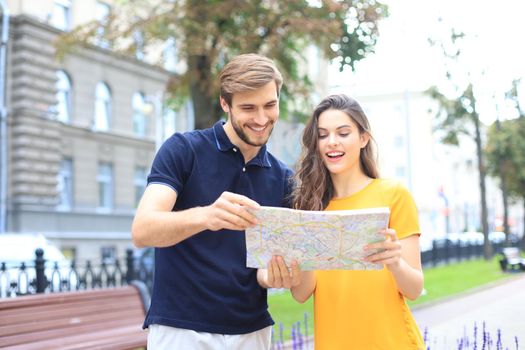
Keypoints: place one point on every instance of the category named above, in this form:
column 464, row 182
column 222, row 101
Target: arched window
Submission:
column 63, row 96
column 102, row 107
column 139, row 114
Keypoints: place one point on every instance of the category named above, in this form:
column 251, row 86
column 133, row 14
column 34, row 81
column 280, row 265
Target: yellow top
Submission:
column 363, row 310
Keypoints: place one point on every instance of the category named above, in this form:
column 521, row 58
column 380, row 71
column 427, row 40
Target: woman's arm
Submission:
column 403, row 259
column 305, row 288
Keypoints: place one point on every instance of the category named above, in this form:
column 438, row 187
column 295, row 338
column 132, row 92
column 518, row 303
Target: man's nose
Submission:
column 261, row 118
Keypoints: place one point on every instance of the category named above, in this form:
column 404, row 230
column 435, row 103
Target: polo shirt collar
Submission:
column 224, row 144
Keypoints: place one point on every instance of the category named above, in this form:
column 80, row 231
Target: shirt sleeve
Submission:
column 403, row 213
column 172, row 163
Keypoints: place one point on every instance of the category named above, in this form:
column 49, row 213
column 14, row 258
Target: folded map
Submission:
column 318, row 240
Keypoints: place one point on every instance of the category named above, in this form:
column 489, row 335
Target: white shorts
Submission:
column 167, row 338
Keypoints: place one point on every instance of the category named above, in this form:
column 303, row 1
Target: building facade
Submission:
column 82, row 132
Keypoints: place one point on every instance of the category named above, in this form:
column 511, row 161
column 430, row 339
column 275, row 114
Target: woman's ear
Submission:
column 365, row 137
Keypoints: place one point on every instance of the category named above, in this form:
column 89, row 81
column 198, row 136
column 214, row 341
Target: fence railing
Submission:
column 445, row 251
column 43, row 276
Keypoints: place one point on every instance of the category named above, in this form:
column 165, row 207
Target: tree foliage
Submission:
column 457, row 115
column 209, row 32
column 505, row 149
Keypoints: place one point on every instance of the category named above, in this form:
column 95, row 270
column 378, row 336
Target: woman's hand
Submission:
column 389, row 250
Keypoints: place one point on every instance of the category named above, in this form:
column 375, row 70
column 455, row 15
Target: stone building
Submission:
column 82, row 132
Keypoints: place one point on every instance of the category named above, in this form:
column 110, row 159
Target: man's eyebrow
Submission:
column 253, row 104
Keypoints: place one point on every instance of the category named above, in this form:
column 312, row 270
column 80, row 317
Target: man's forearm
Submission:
column 164, row 229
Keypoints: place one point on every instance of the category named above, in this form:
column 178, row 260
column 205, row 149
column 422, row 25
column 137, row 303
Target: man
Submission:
column 195, row 210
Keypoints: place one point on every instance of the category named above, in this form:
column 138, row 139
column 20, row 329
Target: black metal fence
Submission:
column 43, row 276
column 445, row 251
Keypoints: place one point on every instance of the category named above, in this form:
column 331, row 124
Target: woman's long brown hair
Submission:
column 313, row 184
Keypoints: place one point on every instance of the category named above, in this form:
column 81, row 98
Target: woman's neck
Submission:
column 347, row 184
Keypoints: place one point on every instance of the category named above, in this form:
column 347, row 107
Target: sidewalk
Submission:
column 501, row 306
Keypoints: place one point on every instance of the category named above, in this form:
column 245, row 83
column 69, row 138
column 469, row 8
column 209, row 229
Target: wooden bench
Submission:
column 512, row 260
column 95, row 319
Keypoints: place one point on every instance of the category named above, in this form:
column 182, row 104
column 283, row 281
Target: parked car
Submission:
column 17, row 262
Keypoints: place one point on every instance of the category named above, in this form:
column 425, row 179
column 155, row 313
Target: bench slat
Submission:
column 95, row 319
column 128, row 338
column 43, row 312
column 66, row 297
column 53, row 322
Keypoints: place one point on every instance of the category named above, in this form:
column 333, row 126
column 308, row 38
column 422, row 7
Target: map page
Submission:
column 318, row 240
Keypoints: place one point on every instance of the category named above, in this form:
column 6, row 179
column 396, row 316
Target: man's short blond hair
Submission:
column 248, row 72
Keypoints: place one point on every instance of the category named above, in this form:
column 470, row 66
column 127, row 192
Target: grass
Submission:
column 284, row 309
column 448, row 280
column 440, row 282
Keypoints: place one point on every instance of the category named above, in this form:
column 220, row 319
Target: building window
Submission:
column 61, row 17
column 102, row 107
column 138, row 38
column 169, row 123
column 65, row 185
column 140, row 184
column 102, row 11
column 105, row 186
column 63, row 96
column 139, row 114
column 400, row 172
column 399, row 141
column 108, row 254
column 190, row 115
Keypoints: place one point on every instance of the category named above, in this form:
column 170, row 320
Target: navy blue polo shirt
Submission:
column 202, row 283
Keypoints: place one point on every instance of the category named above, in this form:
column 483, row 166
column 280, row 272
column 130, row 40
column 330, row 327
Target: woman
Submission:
column 338, row 171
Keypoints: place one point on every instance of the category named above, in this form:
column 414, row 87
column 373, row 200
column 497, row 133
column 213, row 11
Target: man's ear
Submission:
column 224, row 105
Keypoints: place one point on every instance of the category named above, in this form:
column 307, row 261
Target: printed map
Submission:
column 319, row 240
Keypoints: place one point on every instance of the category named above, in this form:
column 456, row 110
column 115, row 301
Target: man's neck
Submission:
column 248, row 151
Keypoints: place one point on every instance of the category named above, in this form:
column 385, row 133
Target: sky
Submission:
column 404, row 60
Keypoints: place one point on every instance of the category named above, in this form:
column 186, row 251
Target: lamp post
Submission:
column 4, row 38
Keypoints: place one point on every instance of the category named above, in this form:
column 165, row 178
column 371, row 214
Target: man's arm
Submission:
column 156, row 225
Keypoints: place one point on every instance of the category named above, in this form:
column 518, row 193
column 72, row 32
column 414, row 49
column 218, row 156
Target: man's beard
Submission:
column 243, row 136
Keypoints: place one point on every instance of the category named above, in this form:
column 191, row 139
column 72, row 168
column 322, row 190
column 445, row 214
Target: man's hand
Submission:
column 229, row 211
column 278, row 275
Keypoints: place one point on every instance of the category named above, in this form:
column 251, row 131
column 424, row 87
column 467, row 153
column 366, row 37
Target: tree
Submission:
column 512, row 132
column 209, row 32
column 499, row 155
column 457, row 115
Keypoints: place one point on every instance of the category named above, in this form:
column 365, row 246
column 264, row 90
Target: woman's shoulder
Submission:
column 390, row 185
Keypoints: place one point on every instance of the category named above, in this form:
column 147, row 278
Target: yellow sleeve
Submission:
column 403, row 213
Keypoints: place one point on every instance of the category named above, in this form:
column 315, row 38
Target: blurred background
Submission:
column 86, row 107
column 90, row 90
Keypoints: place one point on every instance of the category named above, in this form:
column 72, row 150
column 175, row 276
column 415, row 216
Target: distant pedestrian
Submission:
column 358, row 310
column 194, row 212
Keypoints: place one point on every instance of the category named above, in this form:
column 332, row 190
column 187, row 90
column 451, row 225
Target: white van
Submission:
column 18, row 248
